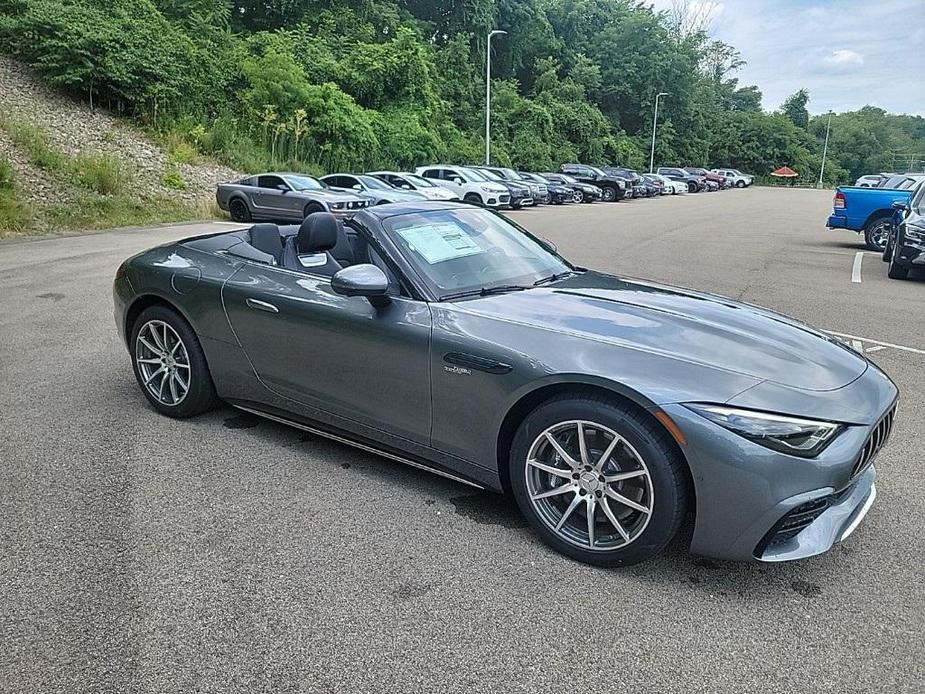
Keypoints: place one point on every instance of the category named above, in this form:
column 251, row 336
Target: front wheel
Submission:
column 472, row 197
column 608, row 194
column 876, row 232
column 598, row 481
column 169, row 364
column 691, row 187
column 578, row 196
column 895, row 271
column 740, row 184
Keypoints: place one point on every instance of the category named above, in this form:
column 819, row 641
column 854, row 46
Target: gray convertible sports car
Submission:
column 445, row 336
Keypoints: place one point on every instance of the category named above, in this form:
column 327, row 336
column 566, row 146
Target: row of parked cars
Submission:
column 889, row 210
column 294, row 196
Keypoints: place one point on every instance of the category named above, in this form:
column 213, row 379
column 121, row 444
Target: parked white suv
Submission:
column 735, row 177
column 470, row 187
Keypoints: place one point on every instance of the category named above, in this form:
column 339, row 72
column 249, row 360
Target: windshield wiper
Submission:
column 555, row 277
column 486, row 291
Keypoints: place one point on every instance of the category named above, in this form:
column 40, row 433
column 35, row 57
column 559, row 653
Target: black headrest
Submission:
column 317, row 233
column 266, row 238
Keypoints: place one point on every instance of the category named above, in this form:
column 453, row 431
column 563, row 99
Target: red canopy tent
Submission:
column 785, row 172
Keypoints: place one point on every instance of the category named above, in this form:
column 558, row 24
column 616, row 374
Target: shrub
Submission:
column 179, row 151
column 14, row 217
column 98, row 172
column 173, row 179
column 37, row 145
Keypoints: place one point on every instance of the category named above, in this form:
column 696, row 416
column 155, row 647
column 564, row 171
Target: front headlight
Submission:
column 805, row 438
column 337, row 205
column 488, row 189
column 915, row 233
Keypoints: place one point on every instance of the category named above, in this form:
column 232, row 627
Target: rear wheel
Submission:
column 876, row 232
column 598, row 481
column 239, row 211
column 170, row 365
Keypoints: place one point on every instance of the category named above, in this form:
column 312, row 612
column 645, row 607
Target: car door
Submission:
column 335, row 359
column 268, row 197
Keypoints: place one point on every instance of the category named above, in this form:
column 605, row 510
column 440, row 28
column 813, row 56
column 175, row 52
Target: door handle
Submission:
column 261, row 305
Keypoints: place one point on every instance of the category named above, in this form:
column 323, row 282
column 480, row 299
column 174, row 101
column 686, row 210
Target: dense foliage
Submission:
column 350, row 84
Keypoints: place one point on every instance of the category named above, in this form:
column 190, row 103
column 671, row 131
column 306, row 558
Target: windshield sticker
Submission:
column 439, row 242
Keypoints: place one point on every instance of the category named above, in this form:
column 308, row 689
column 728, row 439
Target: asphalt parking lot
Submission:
column 226, row 553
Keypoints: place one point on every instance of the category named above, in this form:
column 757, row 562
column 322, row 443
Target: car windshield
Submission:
column 372, row 182
column 893, row 182
column 597, row 171
column 918, row 200
column 463, row 251
column 475, row 174
column 304, row 183
column 489, row 175
column 419, row 181
column 513, row 175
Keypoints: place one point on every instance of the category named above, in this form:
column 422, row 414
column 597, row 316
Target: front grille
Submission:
column 878, row 437
column 504, row 198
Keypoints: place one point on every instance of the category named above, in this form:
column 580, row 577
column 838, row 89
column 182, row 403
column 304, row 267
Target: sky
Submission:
column 847, row 53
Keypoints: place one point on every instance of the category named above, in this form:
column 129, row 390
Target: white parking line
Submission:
column 856, row 268
column 880, row 344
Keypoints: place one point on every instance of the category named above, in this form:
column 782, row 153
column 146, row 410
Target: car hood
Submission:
column 683, row 325
column 334, row 195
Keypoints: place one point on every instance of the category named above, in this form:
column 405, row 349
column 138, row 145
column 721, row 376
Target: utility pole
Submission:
column 825, row 149
column 654, row 125
column 496, row 32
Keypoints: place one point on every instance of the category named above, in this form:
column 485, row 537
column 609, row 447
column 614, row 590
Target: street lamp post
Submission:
column 496, row 32
column 825, row 149
column 654, row 124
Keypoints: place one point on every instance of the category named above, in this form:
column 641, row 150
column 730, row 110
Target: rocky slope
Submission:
column 73, row 128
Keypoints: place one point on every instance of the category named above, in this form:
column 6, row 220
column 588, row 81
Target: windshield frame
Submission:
column 437, row 294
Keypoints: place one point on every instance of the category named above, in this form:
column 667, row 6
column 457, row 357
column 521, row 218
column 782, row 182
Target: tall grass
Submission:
column 99, row 173
column 14, row 216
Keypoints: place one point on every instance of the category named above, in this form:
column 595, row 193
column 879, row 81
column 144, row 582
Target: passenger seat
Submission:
column 266, row 238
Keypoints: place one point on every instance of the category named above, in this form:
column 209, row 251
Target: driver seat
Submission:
column 309, row 250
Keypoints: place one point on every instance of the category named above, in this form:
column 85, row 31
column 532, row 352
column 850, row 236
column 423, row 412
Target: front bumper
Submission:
column 750, row 499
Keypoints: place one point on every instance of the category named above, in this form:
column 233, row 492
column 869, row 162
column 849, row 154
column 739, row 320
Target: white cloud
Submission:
column 843, row 56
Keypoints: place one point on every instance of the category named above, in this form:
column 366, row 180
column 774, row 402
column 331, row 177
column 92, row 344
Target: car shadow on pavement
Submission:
column 674, row 567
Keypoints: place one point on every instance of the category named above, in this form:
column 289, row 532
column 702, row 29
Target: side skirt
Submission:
column 369, row 447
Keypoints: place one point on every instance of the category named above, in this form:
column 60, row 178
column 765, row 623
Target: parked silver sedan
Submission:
column 284, row 197
column 378, row 191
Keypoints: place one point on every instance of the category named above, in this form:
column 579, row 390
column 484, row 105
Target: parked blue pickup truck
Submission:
column 867, row 210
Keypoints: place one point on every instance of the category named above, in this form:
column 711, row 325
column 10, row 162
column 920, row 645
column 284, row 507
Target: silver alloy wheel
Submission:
column 589, row 485
column 578, row 196
column 163, row 362
column 609, row 194
column 881, row 232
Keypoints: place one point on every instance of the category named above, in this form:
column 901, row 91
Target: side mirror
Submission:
column 357, row 187
column 548, row 245
column 457, row 180
column 405, row 186
column 362, row 280
column 900, row 205
column 282, row 187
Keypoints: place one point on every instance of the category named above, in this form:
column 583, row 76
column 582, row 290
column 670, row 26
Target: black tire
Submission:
column 472, row 197
column 874, row 230
column 691, row 187
column 200, row 396
column 667, row 471
column 895, row 271
column 238, row 210
column 312, row 207
column 740, row 184
column 609, row 194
